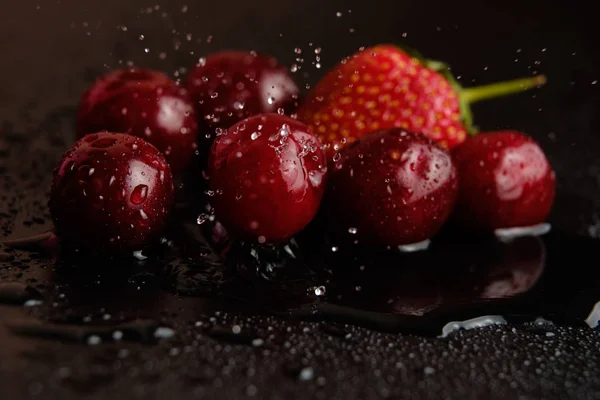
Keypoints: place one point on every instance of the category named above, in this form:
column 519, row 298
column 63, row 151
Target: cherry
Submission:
column 111, row 193
column 146, row 104
column 390, row 188
column 505, row 181
column 229, row 86
column 267, row 175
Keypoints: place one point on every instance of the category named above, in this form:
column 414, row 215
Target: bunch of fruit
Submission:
column 385, row 139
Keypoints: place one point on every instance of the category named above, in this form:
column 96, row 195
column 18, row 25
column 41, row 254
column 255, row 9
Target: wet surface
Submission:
column 186, row 323
column 521, row 280
column 204, row 319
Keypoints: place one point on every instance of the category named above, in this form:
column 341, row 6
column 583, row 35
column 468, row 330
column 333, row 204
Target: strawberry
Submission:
column 384, row 86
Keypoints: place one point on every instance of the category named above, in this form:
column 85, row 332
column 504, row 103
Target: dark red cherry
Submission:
column 229, row 86
column 505, row 181
column 267, row 178
column 146, row 104
column 111, row 193
column 390, row 188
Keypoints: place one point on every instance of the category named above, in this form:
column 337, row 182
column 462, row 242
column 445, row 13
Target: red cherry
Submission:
column 390, row 188
column 505, row 181
column 111, row 192
column 146, row 104
column 268, row 174
column 229, row 86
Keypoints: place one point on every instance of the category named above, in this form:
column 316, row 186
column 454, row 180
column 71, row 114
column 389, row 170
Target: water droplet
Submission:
column 163, row 332
column 473, row 323
column 258, row 342
column 509, row 234
column 139, row 194
column 33, row 303
column 294, row 68
column 320, row 290
column 306, row 374
column 141, row 37
column 270, row 100
column 143, row 214
column 280, row 111
column 415, row 247
column 214, row 95
column 202, row 218
column 255, row 135
column 94, row 340
column 139, row 256
column 337, row 157
column 352, row 231
column 298, row 50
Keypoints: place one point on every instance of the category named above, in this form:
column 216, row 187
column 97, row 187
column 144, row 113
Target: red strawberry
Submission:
column 391, row 188
column 505, row 181
column 383, row 86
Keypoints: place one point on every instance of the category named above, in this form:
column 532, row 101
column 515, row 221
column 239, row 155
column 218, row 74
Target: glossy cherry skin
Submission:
column 268, row 176
column 146, row 104
column 390, row 188
column 111, row 193
column 505, row 181
column 229, row 86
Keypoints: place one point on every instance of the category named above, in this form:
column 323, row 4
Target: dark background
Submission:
column 51, row 50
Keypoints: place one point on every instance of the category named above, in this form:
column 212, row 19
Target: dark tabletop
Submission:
column 51, row 50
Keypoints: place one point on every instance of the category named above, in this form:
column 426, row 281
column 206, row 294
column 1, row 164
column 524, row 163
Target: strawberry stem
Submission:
column 475, row 94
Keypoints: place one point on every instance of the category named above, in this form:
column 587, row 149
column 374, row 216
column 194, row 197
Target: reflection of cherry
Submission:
column 516, row 271
column 448, row 275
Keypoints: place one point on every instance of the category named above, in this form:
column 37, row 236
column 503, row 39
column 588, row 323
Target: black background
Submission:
column 50, row 51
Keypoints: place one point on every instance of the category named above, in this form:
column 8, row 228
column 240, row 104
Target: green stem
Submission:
column 435, row 65
column 475, row 94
